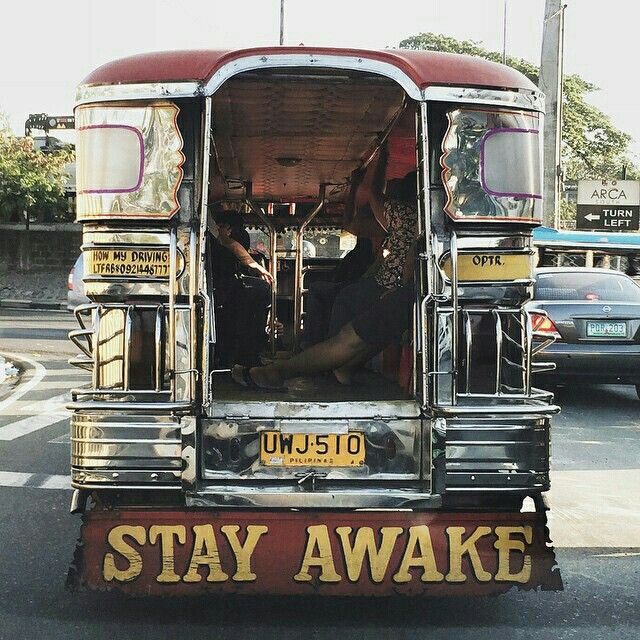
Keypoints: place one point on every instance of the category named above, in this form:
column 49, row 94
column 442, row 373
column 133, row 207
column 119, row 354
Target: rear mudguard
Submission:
column 191, row 552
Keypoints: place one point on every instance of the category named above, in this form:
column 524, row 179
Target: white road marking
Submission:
column 17, row 479
column 13, row 478
column 38, row 374
column 54, row 404
column 29, row 425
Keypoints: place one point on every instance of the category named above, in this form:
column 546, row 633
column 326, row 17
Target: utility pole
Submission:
column 504, row 34
column 551, row 85
column 281, row 22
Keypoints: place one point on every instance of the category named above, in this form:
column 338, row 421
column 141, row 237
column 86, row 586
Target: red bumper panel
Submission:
column 182, row 552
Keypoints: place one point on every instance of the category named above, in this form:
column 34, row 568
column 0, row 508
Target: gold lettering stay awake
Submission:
column 401, row 554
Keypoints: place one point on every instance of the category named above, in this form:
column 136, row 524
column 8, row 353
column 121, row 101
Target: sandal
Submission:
column 241, row 375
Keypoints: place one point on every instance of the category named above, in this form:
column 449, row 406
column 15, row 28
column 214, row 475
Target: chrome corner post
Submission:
column 424, row 283
column 199, row 271
column 299, row 268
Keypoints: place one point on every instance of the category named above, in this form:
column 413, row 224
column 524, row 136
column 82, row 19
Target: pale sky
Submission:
column 47, row 48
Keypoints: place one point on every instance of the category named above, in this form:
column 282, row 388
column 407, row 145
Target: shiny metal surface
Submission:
column 283, row 410
column 154, row 128
column 108, row 448
column 137, row 91
column 533, row 100
column 208, row 336
column 230, row 449
column 179, row 384
column 488, row 453
column 272, row 496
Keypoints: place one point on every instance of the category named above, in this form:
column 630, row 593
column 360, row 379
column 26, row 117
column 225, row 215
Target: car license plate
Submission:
column 131, row 263
column 606, row 329
column 311, row 449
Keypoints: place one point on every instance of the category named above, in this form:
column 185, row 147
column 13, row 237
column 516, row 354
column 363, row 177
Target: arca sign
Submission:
column 192, row 552
column 608, row 205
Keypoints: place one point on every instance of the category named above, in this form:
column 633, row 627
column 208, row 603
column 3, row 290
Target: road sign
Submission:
column 608, row 205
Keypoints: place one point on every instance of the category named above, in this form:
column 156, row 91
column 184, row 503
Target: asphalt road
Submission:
column 595, row 524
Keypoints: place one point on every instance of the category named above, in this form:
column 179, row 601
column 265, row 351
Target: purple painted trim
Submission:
column 140, row 171
column 483, row 182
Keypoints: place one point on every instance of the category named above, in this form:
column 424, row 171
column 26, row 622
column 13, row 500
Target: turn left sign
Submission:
column 608, row 205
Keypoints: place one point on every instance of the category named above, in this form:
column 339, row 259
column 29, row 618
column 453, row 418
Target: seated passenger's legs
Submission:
column 353, row 300
column 383, row 323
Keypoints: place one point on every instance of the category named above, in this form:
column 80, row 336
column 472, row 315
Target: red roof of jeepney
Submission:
column 425, row 68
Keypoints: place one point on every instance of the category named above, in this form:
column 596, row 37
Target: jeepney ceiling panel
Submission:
column 129, row 161
column 287, row 135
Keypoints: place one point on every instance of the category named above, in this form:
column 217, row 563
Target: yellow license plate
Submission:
column 132, row 263
column 311, row 449
column 487, row 266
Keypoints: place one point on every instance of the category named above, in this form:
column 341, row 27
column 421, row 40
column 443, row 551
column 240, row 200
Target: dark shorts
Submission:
column 387, row 319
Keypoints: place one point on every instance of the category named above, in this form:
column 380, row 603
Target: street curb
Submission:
column 31, row 304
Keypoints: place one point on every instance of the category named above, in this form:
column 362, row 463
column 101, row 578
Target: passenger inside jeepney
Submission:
column 242, row 290
column 369, row 314
column 307, row 164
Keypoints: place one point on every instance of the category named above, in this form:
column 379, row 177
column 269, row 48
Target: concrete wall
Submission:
column 41, row 248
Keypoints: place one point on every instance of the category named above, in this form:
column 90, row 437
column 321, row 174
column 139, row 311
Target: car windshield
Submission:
column 586, row 285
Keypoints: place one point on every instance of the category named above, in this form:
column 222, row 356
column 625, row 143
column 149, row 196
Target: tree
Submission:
column 592, row 147
column 31, row 180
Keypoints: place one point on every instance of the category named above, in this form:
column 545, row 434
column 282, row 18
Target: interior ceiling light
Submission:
column 288, row 162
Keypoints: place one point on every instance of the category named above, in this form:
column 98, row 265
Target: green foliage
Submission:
column 31, row 180
column 592, row 147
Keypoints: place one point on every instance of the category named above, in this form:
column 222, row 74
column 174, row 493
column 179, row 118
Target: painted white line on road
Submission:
column 14, row 478
column 39, row 373
column 29, row 425
column 17, row 479
column 56, row 482
column 54, row 404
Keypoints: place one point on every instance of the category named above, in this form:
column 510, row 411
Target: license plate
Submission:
column 132, row 263
column 606, row 329
column 311, row 450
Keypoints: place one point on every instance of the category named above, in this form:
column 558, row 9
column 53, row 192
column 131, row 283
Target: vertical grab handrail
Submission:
column 193, row 271
column 299, row 264
column 126, row 349
column 498, row 322
column 173, row 248
column 454, row 318
column 158, row 347
column 469, row 345
column 96, row 348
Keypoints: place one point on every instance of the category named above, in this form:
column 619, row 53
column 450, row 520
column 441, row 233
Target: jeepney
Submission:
column 419, row 474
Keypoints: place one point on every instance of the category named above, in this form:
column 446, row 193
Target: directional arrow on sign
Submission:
column 593, row 216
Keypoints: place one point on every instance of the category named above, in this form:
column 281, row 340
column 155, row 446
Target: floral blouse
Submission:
column 401, row 227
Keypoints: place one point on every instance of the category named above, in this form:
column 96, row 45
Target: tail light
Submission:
column 543, row 326
column 70, row 280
